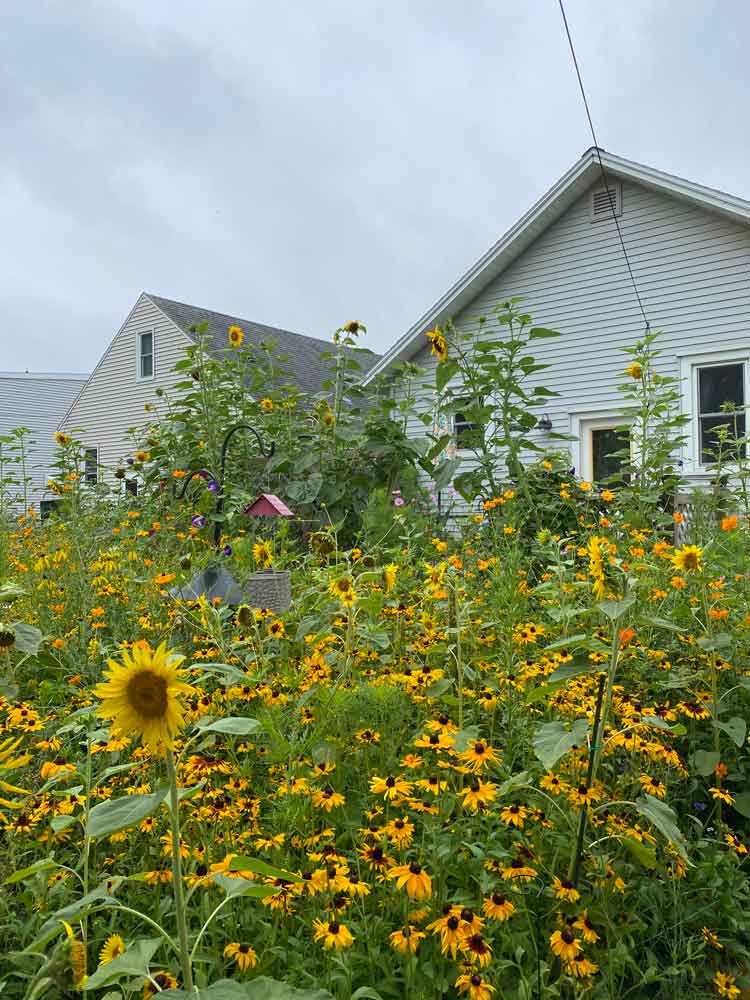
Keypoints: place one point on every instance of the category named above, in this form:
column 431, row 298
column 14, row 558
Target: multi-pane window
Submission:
column 91, row 465
column 721, row 403
column 146, row 354
column 467, row 431
column 131, row 486
column 607, row 459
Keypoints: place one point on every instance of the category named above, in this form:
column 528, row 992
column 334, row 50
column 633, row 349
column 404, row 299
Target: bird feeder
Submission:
column 270, row 588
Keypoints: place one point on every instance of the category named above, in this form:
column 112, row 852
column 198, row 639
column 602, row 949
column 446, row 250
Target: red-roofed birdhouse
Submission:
column 268, row 505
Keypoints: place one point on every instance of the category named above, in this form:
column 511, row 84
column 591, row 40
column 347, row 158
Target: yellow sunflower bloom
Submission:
column 142, row 695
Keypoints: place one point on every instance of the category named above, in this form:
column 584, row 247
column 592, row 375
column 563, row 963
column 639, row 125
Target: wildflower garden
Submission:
column 500, row 756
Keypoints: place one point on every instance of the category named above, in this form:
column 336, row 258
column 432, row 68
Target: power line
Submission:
column 601, row 167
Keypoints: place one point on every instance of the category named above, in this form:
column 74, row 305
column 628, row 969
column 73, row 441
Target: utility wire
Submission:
column 601, row 167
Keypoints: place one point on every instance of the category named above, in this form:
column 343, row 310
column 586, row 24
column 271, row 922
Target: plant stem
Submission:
column 179, row 897
column 576, row 859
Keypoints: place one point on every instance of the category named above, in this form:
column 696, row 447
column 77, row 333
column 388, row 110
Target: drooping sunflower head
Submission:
column 439, row 343
column 7, row 637
column 236, row 336
column 112, row 948
column 63, row 439
column 142, row 695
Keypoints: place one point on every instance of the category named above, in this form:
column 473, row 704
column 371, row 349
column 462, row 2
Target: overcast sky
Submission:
column 305, row 163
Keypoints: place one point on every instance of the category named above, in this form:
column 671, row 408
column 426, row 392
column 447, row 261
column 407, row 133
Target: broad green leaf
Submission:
column 567, row 670
column 537, row 332
column 117, row 814
column 660, row 623
column 445, row 472
column 40, row 866
column 616, row 609
column 514, row 781
column 705, row 761
column 234, row 725
column 664, row 819
column 444, row 373
column 552, row 740
column 464, row 737
column 567, row 643
column 742, row 804
column 439, row 687
column 735, row 728
column 260, row 988
column 60, row 823
column 722, row 640
column 641, row 852
column 260, row 867
column 135, row 961
column 28, row 638
column 10, row 592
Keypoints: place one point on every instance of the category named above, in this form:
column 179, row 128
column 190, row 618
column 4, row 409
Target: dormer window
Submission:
column 146, row 354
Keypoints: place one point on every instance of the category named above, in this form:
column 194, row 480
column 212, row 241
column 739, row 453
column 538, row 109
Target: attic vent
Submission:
column 604, row 201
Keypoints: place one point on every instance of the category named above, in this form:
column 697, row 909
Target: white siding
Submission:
column 37, row 401
column 114, row 399
column 693, row 272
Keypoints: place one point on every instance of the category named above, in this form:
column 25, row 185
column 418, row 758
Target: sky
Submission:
column 303, row 164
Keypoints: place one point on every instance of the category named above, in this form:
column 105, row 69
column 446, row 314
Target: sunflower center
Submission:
column 147, row 694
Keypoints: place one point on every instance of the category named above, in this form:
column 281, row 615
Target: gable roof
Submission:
column 581, row 176
column 304, row 362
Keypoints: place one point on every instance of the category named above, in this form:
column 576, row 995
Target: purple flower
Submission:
column 213, row 485
column 198, row 521
column 399, row 502
column 227, row 550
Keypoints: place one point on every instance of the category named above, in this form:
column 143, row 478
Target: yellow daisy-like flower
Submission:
column 406, row 939
column 333, row 934
column 725, row 986
column 63, row 439
column 242, row 954
column 414, row 879
column 263, row 553
column 236, row 336
column 343, row 588
column 142, row 695
column 688, row 559
column 113, row 947
column 635, row 371
column 439, row 343
column 565, row 944
column 266, row 405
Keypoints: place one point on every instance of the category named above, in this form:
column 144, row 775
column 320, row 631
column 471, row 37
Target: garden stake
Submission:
column 593, row 753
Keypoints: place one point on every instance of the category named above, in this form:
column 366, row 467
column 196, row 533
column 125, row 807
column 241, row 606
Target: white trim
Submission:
column 572, row 185
column 580, row 424
column 139, row 355
column 689, row 365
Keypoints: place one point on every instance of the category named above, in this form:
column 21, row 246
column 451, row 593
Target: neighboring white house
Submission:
column 37, row 401
column 689, row 247
column 141, row 359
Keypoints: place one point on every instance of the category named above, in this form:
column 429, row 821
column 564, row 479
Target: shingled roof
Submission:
column 304, row 362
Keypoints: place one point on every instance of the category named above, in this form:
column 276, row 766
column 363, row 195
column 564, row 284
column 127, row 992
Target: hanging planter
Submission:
column 270, row 588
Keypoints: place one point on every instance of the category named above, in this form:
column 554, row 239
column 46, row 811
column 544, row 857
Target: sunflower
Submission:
column 236, row 336
column 76, row 957
column 725, row 986
column 266, row 405
column 635, row 371
column 277, row 629
column 471, row 984
column 263, row 553
column 333, row 934
column 63, row 439
column 242, row 954
column 142, row 695
column 414, row 879
column 565, row 944
column 113, row 947
column 389, row 576
column 439, row 343
column 688, row 559
column 343, row 588
column 7, row 637
column 141, row 456
column 406, row 939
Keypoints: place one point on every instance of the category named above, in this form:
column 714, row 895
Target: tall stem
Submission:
column 179, row 892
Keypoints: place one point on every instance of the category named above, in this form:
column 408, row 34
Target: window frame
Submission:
column 139, row 355
column 87, row 477
column 581, row 425
column 690, row 366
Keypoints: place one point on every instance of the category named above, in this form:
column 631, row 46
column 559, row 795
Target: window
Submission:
column 47, row 507
column 607, row 458
column 146, row 354
column 468, row 433
column 720, row 393
column 91, row 465
column 601, row 446
column 131, row 486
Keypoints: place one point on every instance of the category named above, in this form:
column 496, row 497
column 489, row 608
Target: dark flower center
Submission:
column 147, row 694
column 415, row 868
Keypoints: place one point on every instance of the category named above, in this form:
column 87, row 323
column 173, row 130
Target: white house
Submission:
column 36, row 401
column 689, row 247
column 140, row 360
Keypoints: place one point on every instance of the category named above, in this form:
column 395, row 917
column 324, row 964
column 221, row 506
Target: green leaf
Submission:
column 722, row 640
column 660, row 623
column 742, row 804
column 445, row 473
column 28, row 638
column 135, row 961
column 552, row 740
column 444, row 373
column 664, row 819
column 537, row 332
column 616, row 609
column 566, row 643
column 439, row 687
column 464, row 737
column 735, row 728
column 39, row 866
column 641, row 852
column 260, row 988
column 260, row 867
column 573, row 669
column 235, row 725
column 242, row 887
column 705, row 761
column 60, row 823
column 117, row 814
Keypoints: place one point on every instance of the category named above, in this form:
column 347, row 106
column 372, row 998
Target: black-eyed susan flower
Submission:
column 143, row 695
column 580, row 967
column 498, row 907
column 473, row 985
column 332, row 934
column 725, row 986
column 406, row 939
column 413, row 878
column 391, row 787
column 587, row 929
column 564, row 889
column 478, row 755
column 158, row 983
column 476, row 950
column 242, row 955
column 565, row 944
column 478, row 795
